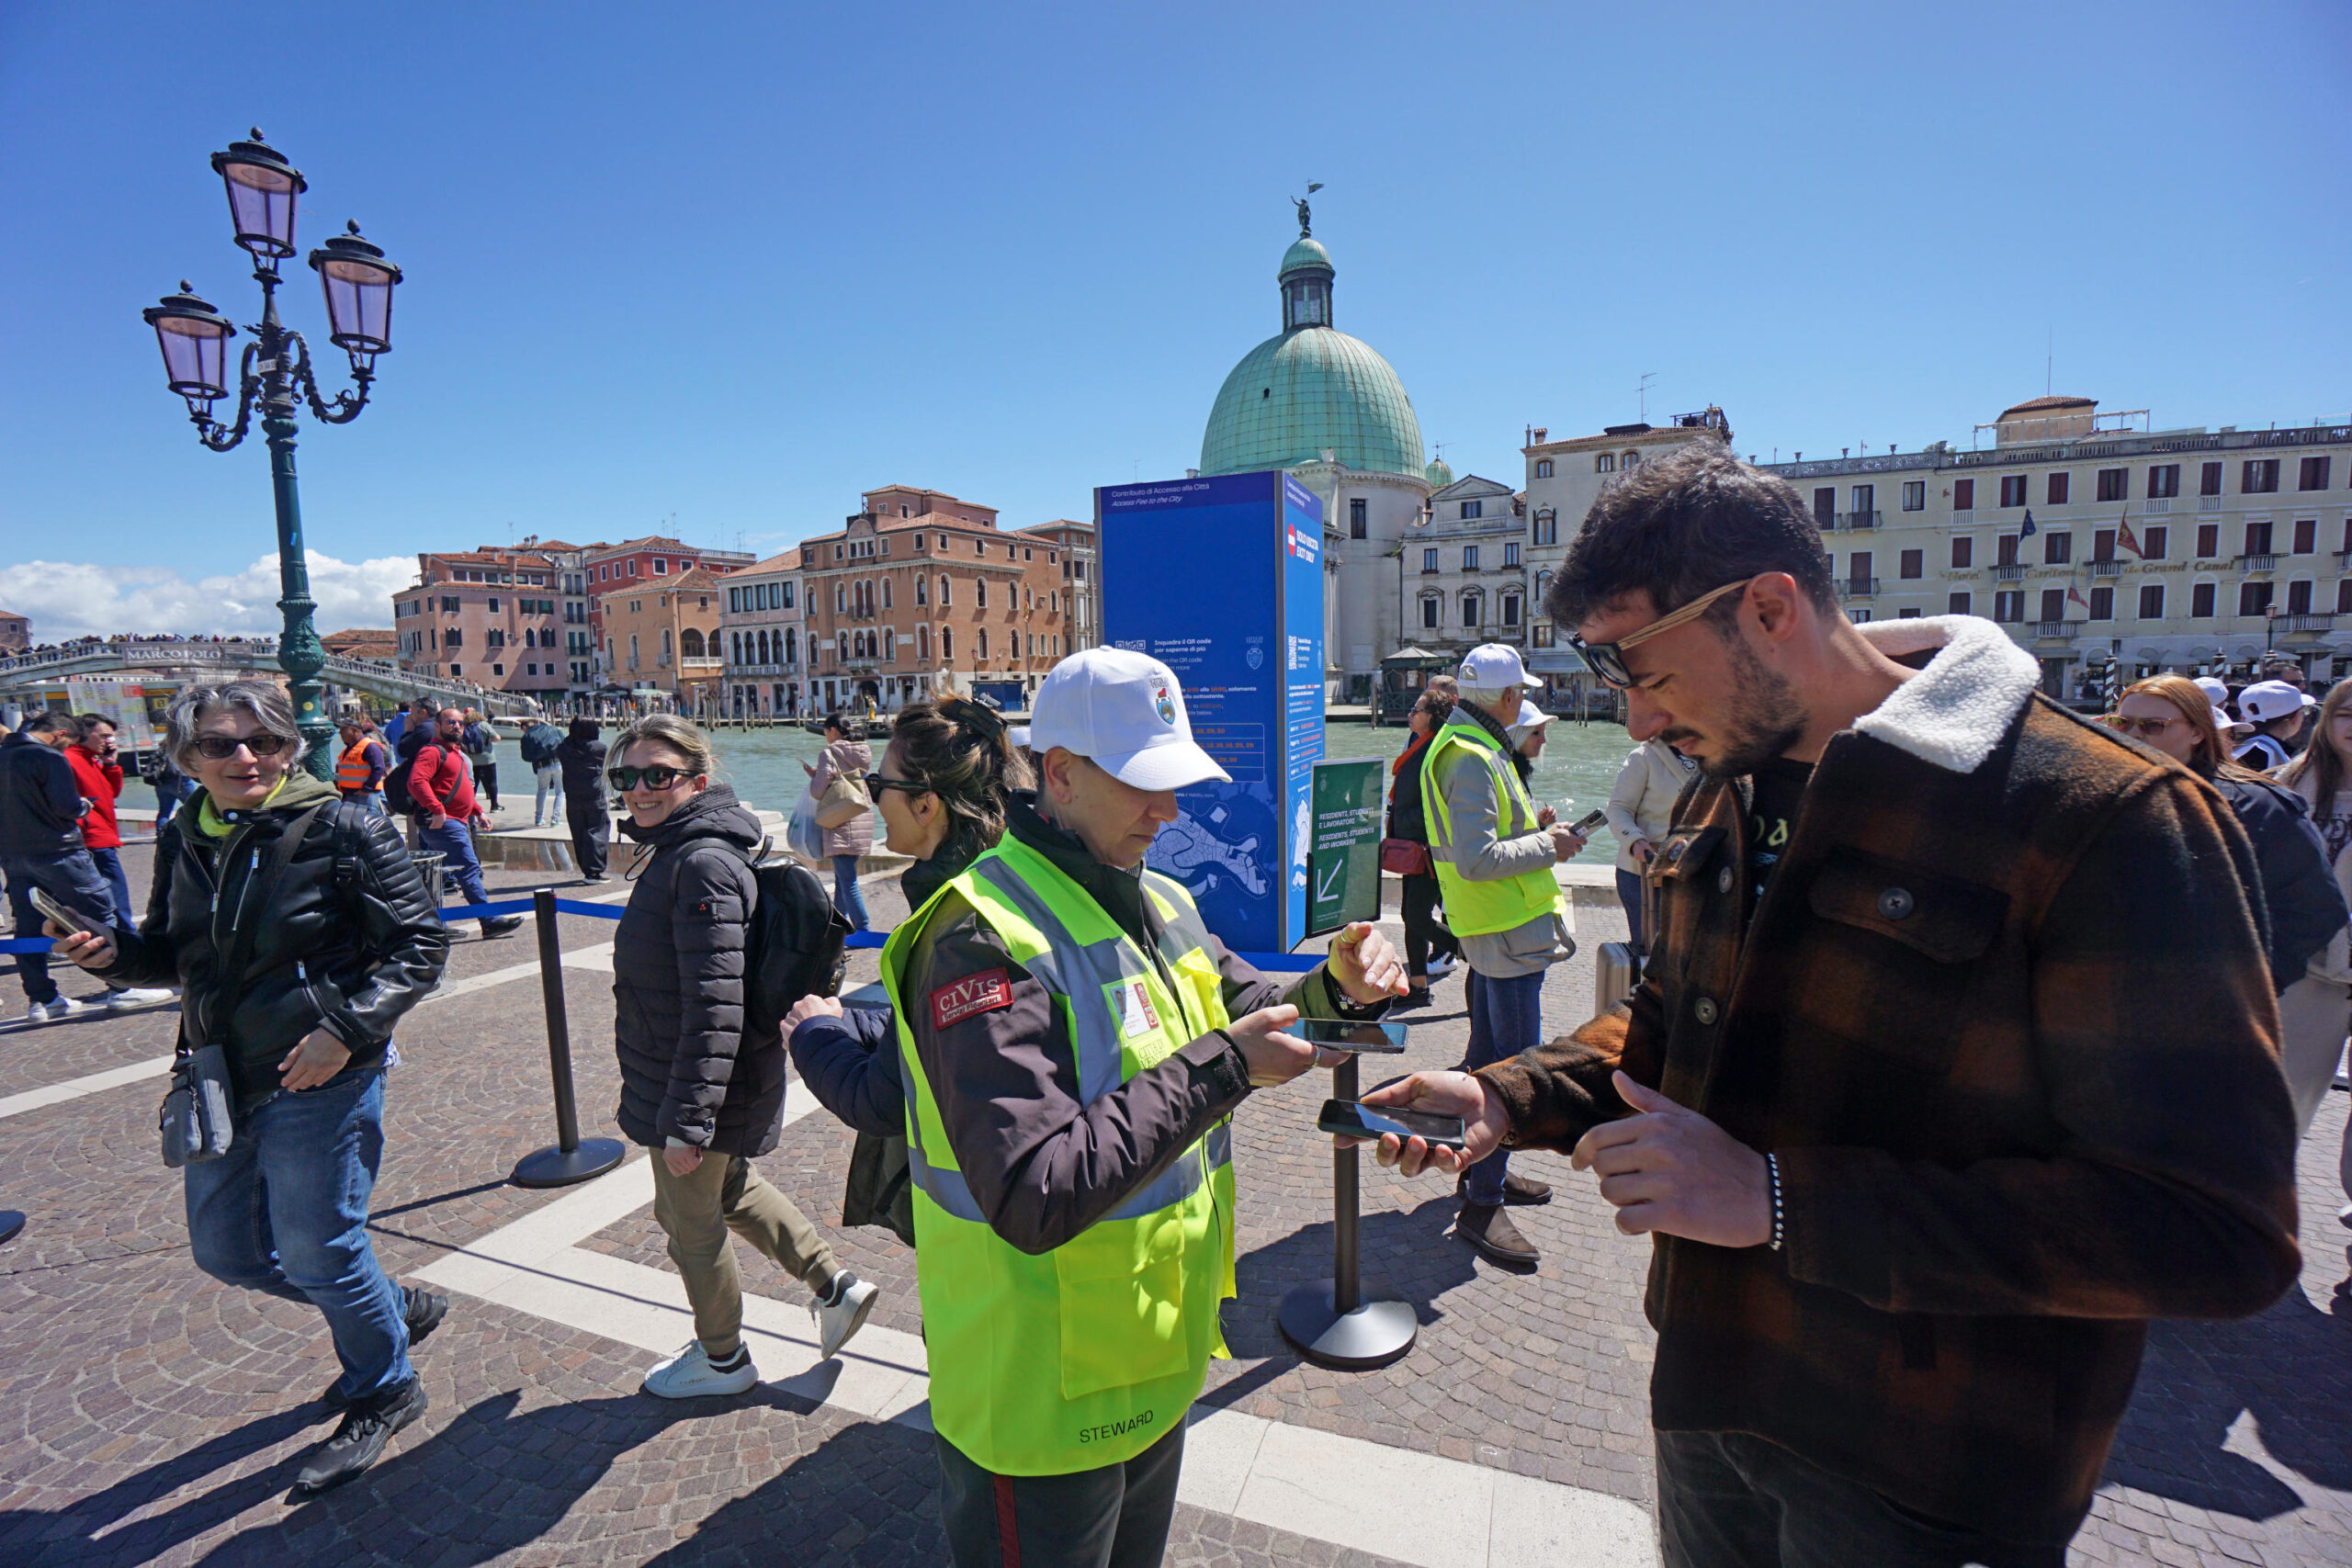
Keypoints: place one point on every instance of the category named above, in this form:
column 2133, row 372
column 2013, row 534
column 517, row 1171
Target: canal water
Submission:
column 1578, row 766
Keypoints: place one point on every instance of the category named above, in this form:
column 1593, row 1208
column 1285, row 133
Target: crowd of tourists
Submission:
column 1899, row 1096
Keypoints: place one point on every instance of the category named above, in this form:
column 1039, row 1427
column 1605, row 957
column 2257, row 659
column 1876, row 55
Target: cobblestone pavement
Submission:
column 148, row 1415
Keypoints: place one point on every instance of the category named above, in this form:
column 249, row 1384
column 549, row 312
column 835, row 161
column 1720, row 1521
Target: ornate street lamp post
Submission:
column 357, row 281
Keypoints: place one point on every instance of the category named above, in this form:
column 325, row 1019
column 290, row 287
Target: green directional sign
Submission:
column 1343, row 845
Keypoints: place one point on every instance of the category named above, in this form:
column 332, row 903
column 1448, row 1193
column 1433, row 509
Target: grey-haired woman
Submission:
column 300, row 934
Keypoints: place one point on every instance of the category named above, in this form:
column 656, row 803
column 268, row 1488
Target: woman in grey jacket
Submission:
column 698, row 1084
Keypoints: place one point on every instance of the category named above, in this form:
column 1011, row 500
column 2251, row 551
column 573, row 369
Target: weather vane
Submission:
column 1305, row 218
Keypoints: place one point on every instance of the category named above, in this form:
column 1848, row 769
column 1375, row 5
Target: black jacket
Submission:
column 582, row 762
column 41, row 806
column 2302, row 907
column 352, row 958
column 688, row 1069
column 1404, row 816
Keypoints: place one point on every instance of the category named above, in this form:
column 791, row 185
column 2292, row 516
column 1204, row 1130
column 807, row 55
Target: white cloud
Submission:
column 71, row 599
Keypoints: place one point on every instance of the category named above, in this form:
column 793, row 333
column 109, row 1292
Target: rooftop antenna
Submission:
column 1642, row 392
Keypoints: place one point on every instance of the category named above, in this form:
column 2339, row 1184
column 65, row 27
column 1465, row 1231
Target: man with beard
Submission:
column 1912, row 1099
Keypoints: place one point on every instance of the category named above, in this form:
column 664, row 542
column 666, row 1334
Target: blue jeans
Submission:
column 1629, row 894
column 459, row 866
column 848, row 898
column 285, row 1213
column 167, row 799
column 73, row 880
column 109, row 865
column 1506, row 1018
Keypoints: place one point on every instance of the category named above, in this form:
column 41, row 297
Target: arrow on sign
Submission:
column 1323, row 887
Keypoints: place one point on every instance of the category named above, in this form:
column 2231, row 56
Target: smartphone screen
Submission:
column 1583, row 826
column 1361, row 1121
column 1337, row 1034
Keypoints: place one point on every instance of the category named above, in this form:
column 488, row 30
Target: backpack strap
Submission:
column 350, row 844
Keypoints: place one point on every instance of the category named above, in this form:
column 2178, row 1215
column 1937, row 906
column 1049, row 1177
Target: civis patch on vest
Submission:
column 970, row 997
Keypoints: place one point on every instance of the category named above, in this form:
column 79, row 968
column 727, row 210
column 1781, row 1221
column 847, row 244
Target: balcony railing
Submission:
column 2106, row 569
column 2308, row 622
column 2257, row 563
column 1856, row 587
column 2065, row 630
column 2209, row 503
column 2158, row 504
column 1858, row 520
column 2008, row 571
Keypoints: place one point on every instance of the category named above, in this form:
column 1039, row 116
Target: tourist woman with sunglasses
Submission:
column 698, row 1086
column 300, row 934
column 941, row 792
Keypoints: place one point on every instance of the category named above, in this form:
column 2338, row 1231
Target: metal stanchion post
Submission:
column 571, row 1159
column 1330, row 1322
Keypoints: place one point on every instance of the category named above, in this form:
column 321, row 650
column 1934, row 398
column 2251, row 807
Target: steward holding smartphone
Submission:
column 1074, row 1042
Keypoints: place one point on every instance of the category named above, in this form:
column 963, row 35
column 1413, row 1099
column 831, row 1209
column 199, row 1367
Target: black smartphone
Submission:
column 1355, row 1120
column 1583, row 826
column 1337, row 1034
column 67, row 918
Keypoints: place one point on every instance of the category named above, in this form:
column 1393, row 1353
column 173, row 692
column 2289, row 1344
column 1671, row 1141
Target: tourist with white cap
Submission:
column 1494, row 849
column 1527, row 735
column 2277, row 711
column 1074, row 1042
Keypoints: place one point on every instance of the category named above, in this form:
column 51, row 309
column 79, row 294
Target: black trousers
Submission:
column 1425, row 935
column 486, row 780
column 1117, row 1517
column 589, row 824
column 1731, row 1500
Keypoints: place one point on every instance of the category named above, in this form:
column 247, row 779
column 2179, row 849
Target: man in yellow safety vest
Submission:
column 1493, row 849
column 1073, row 1042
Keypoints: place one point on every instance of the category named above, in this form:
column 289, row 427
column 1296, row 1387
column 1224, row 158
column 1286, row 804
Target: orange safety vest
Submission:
column 351, row 770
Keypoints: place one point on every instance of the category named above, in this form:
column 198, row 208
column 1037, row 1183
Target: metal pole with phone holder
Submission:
column 572, row 1158
column 1328, row 1322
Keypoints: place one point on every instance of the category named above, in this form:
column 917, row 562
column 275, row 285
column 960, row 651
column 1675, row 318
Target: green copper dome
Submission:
column 1311, row 389
column 1440, row 476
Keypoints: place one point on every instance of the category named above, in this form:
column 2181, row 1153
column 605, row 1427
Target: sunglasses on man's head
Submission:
column 1607, row 660
column 220, row 748
column 656, row 777
column 875, row 783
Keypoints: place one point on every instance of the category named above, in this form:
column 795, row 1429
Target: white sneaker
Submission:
column 135, row 997
column 845, row 1317
column 50, row 1012
column 689, row 1375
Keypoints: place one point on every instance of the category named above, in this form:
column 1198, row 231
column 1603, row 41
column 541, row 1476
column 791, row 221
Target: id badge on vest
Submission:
column 1141, row 1030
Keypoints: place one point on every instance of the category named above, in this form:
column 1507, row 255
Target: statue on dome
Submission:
column 1304, row 230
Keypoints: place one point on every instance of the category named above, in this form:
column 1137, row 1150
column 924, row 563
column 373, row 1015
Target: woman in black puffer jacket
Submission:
column 695, row 1086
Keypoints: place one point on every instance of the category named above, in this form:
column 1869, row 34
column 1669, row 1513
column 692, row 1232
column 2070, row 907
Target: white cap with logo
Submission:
column 1125, row 712
column 1491, row 666
column 2267, row 700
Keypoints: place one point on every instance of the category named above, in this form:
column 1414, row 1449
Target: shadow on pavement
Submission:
column 2289, row 1369
column 1406, row 1254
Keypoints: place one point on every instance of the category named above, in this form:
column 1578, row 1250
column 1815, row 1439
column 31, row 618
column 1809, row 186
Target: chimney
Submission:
column 1541, row 432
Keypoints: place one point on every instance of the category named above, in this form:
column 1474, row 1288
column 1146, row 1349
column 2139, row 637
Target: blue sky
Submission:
column 716, row 269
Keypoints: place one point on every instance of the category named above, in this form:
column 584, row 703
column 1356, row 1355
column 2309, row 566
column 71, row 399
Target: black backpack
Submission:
column 796, row 945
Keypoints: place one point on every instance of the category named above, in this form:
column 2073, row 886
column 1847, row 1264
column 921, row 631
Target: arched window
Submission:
column 1630, row 460
column 665, row 645
column 946, row 642
column 1472, row 607
column 841, row 648
column 885, row 592
column 923, row 589
column 1606, row 463
column 735, row 640
column 946, row 598
column 983, row 643
column 981, row 601
column 1433, row 611
column 1543, row 468
column 841, row 599
column 791, row 646
column 690, row 644
column 889, row 644
column 923, row 642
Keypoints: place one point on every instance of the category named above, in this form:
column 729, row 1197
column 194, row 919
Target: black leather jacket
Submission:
column 353, row 959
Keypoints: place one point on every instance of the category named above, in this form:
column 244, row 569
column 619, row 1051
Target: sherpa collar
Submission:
column 1954, row 712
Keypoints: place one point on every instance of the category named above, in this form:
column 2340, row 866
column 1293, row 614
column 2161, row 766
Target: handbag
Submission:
column 843, row 802
column 1406, row 857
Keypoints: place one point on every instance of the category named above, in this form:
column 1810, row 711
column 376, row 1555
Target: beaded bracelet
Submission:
column 1772, row 1168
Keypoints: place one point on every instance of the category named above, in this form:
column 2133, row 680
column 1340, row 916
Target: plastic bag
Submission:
column 801, row 835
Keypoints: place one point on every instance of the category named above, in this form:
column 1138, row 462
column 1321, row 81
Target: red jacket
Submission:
column 100, row 782
column 440, row 783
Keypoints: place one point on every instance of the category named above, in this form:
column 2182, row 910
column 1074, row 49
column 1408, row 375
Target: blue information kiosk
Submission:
column 1220, row 578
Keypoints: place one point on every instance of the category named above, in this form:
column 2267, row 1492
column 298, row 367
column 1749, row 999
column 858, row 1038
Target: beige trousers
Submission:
column 695, row 1212
column 2314, row 1015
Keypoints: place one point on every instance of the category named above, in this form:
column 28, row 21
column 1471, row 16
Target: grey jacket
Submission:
column 1466, row 787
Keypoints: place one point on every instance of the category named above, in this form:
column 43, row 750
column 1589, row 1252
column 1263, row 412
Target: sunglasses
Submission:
column 1607, row 660
column 2145, row 729
column 876, row 784
column 220, row 748
column 627, row 779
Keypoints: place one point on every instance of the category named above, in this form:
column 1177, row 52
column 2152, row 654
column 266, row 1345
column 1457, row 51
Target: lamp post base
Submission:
column 553, row 1167
column 1374, row 1334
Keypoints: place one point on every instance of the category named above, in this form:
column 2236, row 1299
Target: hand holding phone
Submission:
column 59, row 913
column 1586, row 826
column 1338, row 1034
column 1353, row 1119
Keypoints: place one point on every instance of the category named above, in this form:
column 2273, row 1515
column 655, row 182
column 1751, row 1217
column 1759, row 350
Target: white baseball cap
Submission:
column 2216, row 691
column 2267, row 700
column 1491, row 666
column 1123, row 711
column 1530, row 717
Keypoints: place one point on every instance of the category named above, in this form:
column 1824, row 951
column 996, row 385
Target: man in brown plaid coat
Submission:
column 1954, row 1063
